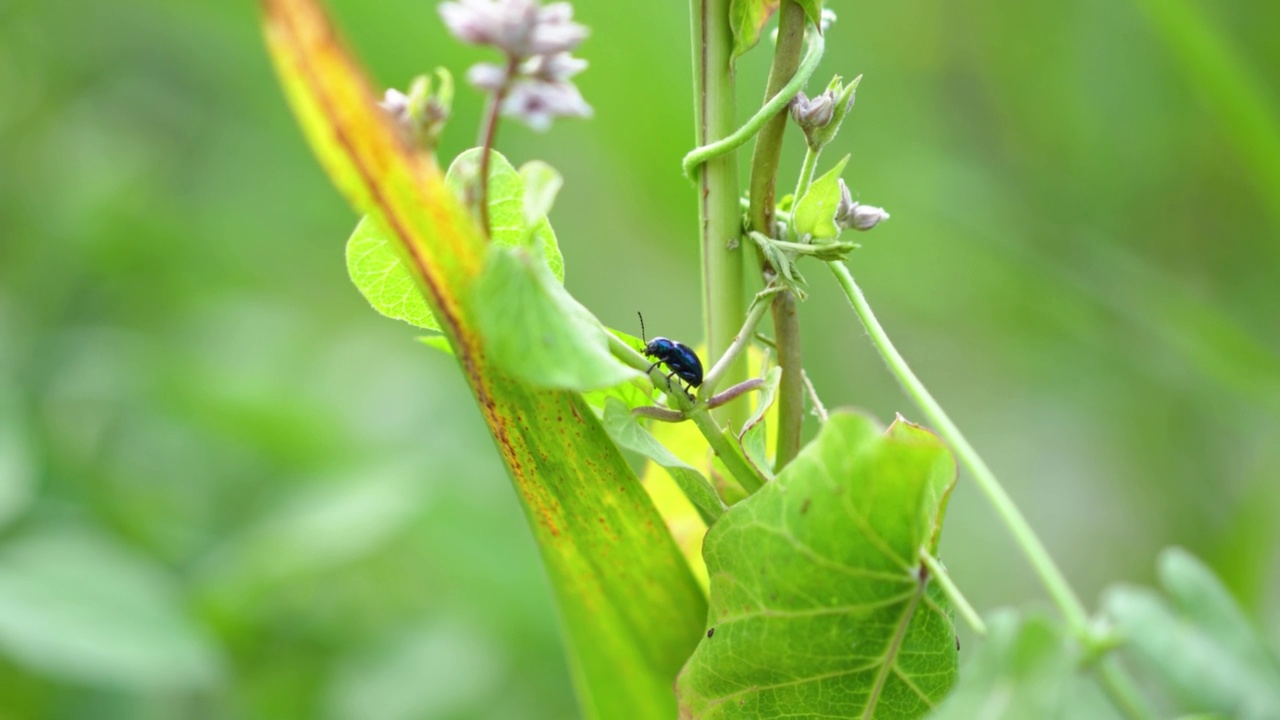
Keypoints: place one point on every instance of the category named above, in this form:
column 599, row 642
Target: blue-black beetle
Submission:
column 678, row 357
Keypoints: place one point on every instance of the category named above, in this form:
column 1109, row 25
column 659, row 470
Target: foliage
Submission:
column 226, row 490
column 819, row 604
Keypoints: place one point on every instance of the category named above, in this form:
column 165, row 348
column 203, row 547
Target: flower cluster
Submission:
column 855, row 215
column 820, row 117
column 533, row 85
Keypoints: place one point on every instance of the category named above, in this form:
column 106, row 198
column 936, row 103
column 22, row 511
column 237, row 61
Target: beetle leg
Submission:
column 651, row 367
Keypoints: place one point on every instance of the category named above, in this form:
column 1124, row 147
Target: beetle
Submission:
column 678, row 357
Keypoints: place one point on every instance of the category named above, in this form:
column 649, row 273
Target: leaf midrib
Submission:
column 891, row 653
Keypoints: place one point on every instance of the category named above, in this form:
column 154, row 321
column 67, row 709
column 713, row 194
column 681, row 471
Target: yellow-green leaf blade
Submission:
column 630, row 607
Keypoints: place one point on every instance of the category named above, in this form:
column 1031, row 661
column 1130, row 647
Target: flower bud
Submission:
column 854, row 215
column 838, row 101
column 866, row 217
column 423, row 112
column 812, row 114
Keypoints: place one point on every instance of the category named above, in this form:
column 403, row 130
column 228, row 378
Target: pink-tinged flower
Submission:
column 537, row 102
column 487, row 76
column 553, row 68
column 555, row 30
column 519, row 28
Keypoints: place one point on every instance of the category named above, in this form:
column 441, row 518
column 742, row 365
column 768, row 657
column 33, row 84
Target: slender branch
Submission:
column 1052, row 578
column 957, row 598
column 778, row 102
column 734, row 462
column 488, row 136
column 786, row 77
column 818, row 407
column 1110, row 674
column 1120, row 688
column 720, row 225
column 802, row 184
column 740, row 341
column 786, row 338
column 734, row 392
column 687, row 408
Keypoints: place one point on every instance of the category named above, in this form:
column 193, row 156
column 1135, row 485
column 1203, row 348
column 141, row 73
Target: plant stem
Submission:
column 786, row 336
column 1111, row 675
column 818, row 407
column 1054, row 581
column 489, row 135
column 712, row 379
column 778, row 102
column 957, row 598
column 802, row 185
column 1120, row 688
column 723, row 279
column 762, row 195
column 733, row 461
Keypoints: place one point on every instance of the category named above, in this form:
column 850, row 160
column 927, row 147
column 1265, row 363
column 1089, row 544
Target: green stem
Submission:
column 705, row 152
column 802, row 185
column 787, row 76
column 818, row 407
column 1111, row 675
column 713, row 377
column 1120, row 688
column 786, row 338
column 939, row 573
column 1054, row 581
column 720, row 226
column 733, row 461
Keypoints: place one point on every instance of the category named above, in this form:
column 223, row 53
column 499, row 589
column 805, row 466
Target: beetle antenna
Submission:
column 642, row 335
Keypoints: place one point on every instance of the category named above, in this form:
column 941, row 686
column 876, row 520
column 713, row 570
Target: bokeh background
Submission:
column 229, row 489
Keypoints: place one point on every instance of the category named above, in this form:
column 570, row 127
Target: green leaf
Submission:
column 630, row 608
column 817, row 604
column 747, row 19
column 1198, row 641
column 536, row 331
column 75, row 606
column 813, row 9
column 375, row 267
column 816, row 212
column 508, row 225
column 541, row 185
column 1022, row 670
column 516, row 219
column 438, row 342
column 625, row 431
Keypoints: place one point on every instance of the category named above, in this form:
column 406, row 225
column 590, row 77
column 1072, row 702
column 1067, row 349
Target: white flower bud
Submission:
column 854, row 215
column 866, row 217
column 812, row 114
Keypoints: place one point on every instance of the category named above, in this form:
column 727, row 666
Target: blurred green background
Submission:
column 229, row 489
